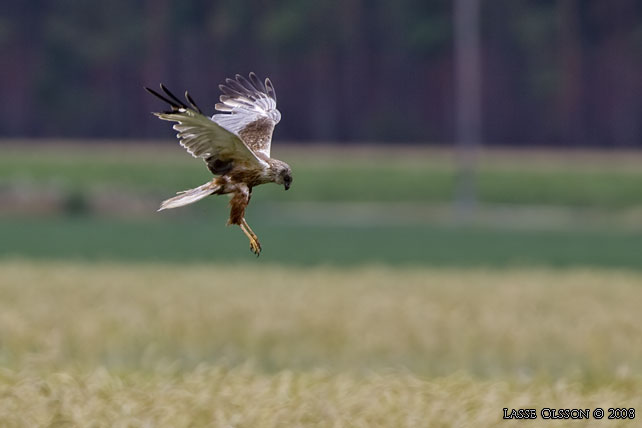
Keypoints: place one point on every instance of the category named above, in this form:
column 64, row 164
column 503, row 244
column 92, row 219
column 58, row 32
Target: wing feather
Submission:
column 201, row 136
column 249, row 111
column 270, row 89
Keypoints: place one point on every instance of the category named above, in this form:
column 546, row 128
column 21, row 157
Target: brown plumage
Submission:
column 234, row 144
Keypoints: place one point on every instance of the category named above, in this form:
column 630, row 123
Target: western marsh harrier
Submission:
column 235, row 145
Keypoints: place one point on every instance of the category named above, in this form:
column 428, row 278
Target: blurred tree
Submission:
column 21, row 45
column 468, row 102
column 614, row 30
column 555, row 71
column 571, row 85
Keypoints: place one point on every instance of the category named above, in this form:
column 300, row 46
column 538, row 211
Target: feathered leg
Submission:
column 238, row 204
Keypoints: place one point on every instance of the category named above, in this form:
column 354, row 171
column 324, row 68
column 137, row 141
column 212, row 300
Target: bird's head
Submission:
column 282, row 173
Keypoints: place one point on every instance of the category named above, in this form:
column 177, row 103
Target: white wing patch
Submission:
column 249, row 111
column 242, row 114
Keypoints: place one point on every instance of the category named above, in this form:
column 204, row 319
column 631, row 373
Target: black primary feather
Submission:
column 172, row 96
column 171, row 103
column 191, row 101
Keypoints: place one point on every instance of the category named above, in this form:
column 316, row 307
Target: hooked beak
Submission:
column 286, row 185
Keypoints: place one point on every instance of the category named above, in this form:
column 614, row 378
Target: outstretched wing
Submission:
column 250, row 112
column 201, row 136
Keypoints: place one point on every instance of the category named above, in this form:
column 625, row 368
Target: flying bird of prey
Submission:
column 235, row 145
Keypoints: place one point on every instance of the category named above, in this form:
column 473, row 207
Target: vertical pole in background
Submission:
column 467, row 104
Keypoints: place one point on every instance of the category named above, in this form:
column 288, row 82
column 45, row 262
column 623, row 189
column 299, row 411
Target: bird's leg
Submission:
column 255, row 246
column 238, row 204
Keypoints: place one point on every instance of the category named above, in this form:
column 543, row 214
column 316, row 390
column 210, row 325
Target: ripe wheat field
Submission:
column 151, row 345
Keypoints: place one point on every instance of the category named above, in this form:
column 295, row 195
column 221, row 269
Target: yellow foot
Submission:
column 255, row 246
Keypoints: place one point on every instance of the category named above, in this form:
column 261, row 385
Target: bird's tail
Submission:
column 190, row 196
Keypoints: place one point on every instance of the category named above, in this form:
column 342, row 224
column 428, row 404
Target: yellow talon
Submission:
column 255, row 247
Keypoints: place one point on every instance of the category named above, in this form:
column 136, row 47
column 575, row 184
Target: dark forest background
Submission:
column 565, row 72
